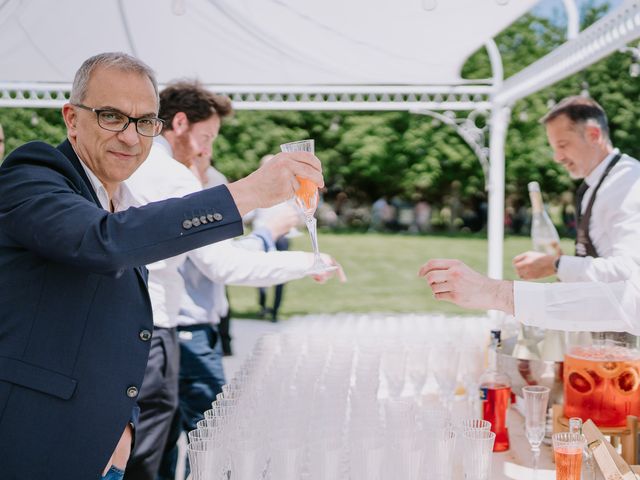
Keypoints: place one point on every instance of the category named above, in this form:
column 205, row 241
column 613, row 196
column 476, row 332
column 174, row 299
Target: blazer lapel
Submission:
column 66, row 148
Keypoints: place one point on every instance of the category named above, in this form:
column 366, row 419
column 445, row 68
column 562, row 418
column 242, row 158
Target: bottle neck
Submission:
column 493, row 356
column 536, row 202
column 575, row 425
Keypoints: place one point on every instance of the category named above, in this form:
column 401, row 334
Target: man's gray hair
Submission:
column 118, row 60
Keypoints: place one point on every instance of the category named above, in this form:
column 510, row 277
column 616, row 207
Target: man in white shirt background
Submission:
column 192, row 120
column 608, row 201
column 608, row 207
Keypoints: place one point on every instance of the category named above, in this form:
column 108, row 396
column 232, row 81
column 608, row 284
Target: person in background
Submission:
column 204, row 304
column 192, row 117
column 607, row 201
column 209, row 176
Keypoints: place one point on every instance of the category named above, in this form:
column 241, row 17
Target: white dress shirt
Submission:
column 614, row 228
column 161, row 177
column 580, row 306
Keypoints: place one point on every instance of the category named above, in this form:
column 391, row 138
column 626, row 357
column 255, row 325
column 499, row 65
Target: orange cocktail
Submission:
column 601, row 382
column 307, row 194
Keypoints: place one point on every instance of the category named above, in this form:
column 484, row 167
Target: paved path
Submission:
column 245, row 333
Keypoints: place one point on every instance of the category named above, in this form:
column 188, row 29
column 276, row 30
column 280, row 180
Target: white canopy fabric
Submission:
column 255, row 42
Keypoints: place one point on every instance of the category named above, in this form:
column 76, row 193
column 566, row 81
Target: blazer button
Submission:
column 203, row 219
column 217, row 217
column 195, row 221
column 210, row 217
column 187, row 224
column 132, row 392
column 145, row 335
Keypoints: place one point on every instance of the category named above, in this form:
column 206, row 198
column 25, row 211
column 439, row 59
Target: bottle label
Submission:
column 483, row 393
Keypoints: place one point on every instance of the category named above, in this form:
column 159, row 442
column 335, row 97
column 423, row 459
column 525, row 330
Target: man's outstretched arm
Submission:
column 590, row 306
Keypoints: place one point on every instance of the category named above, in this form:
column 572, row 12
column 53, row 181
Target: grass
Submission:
column 382, row 271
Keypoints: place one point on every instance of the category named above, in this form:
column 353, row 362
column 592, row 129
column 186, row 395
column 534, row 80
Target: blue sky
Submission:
column 550, row 8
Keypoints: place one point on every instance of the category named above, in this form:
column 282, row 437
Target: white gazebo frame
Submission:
column 493, row 97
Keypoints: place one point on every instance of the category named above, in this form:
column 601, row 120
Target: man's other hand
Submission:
column 534, row 265
column 338, row 272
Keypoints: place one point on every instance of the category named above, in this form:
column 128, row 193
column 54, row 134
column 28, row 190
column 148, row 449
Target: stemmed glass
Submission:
column 471, row 366
column 536, row 398
column 393, row 365
column 307, row 200
column 444, row 364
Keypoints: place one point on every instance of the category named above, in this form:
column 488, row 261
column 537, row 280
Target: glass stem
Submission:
column 536, row 458
column 313, row 233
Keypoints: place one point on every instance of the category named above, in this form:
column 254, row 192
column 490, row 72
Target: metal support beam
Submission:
column 380, row 98
column 604, row 37
column 499, row 123
column 468, row 129
column 573, row 19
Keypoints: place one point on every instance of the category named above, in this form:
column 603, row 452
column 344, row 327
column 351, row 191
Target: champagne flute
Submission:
column 536, row 398
column 307, row 200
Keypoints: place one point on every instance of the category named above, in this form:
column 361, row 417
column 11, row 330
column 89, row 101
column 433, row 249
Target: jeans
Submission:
column 114, row 474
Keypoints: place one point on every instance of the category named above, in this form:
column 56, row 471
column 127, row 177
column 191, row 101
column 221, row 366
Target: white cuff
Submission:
column 529, row 303
column 570, row 268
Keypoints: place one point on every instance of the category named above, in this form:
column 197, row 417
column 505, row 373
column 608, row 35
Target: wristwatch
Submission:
column 556, row 264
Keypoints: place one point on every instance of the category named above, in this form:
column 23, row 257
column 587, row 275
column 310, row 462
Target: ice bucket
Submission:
column 525, row 372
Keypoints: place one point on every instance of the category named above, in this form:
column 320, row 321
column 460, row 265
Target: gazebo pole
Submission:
column 499, row 123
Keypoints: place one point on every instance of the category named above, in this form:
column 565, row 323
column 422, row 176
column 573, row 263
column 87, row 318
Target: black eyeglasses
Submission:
column 115, row 121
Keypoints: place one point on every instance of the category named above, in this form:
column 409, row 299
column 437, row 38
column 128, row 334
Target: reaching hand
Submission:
column 455, row 282
column 534, row 265
column 339, row 272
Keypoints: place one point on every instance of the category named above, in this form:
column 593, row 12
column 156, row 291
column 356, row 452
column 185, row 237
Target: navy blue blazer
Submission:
column 74, row 308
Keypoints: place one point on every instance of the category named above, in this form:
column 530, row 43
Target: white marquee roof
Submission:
column 255, row 42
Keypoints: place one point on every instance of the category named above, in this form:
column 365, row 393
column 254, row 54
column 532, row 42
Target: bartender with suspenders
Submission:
column 607, row 201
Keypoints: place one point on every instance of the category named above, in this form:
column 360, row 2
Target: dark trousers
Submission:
column 158, row 401
column 282, row 245
column 201, row 379
column 224, row 331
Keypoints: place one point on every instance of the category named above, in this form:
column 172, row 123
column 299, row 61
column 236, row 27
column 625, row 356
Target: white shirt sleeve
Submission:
column 231, row 264
column 615, row 225
column 588, row 306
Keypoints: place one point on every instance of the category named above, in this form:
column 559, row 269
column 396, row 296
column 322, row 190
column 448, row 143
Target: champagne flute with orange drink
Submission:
column 306, row 198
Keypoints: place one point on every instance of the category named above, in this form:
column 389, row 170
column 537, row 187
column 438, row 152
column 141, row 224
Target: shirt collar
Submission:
column 597, row 172
column 122, row 197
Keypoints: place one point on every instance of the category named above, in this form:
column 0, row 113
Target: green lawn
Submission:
column 382, row 271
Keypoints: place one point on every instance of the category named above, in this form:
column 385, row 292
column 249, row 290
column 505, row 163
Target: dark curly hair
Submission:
column 190, row 97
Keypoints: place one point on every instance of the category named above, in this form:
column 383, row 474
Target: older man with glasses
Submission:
column 75, row 315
